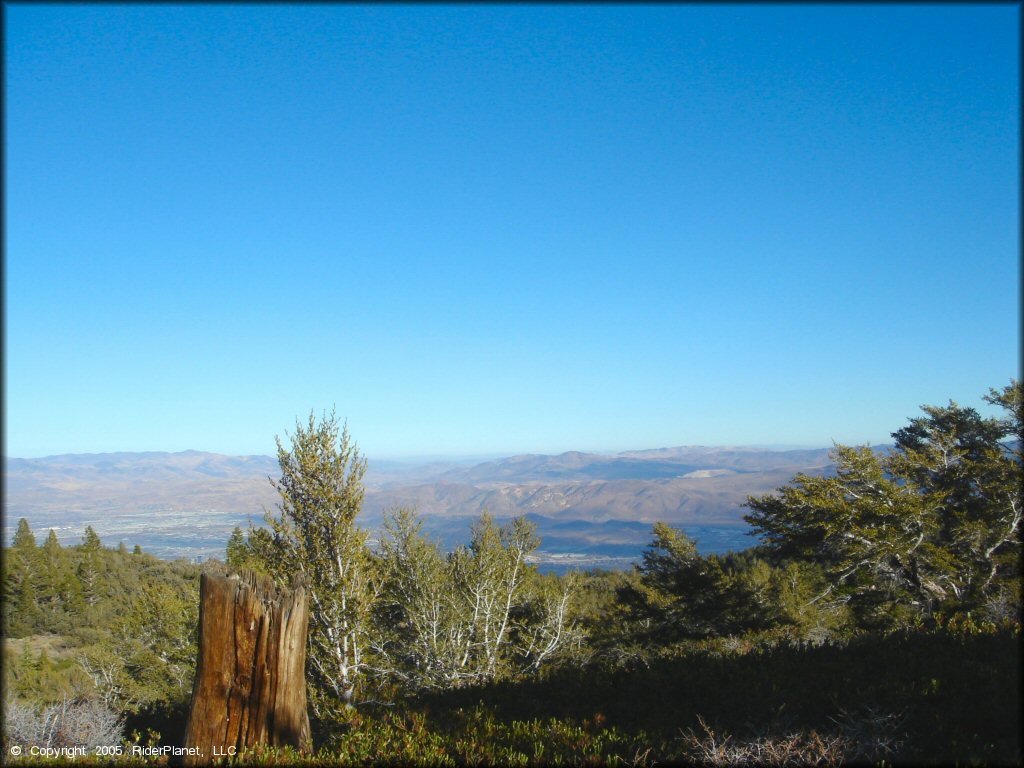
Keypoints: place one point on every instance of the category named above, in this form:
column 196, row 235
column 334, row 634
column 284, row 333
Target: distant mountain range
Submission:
column 186, row 503
column 687, row 485
column 97, row 481
column 660, row 463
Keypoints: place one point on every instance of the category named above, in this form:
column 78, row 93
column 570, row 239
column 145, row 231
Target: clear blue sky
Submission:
column 501, row 229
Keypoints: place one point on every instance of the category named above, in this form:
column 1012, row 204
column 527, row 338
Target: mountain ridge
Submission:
column 194, row 498
column 156, row 475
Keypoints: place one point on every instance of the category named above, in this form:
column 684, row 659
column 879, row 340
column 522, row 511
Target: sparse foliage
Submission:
column 68, row 723
column 316, row 534
column 480, row 613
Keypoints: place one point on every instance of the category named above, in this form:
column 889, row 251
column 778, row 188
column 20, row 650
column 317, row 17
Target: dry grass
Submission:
column 68, row 723
column 866, row 737
column 56, row 646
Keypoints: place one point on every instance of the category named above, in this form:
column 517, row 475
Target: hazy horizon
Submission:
column 459, row 458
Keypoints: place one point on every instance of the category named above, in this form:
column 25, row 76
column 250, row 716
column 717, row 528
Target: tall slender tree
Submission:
column 316, row 534
column 22, row 575
column 91, row 565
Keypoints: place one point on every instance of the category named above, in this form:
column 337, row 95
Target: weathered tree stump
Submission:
column 250, row 685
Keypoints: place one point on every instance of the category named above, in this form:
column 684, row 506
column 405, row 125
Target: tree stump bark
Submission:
column 250, row 685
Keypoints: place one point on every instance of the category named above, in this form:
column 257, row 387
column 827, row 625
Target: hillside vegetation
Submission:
column 878, row 622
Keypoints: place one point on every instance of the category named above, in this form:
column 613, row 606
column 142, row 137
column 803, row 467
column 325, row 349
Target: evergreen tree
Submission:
column 52, row 551
column 235, row 551
column 316, row 536
column 935, row 523
column 252, row 552
column 679, row 593
column 23, row 619
column 962, row 459
column 58, row 588
column 22, row 580
column 24, row 539
column 90, row 566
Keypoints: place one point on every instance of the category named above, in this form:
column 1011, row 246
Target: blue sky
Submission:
column 498, row 229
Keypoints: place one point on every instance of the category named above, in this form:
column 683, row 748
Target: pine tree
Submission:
column 55, row 584
column 24, row 539
column 90, row 567
column 679, row 594
column 935, row 523
column 316, row 535
column 962, row 459
column 22, row 577
column 238, row 553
